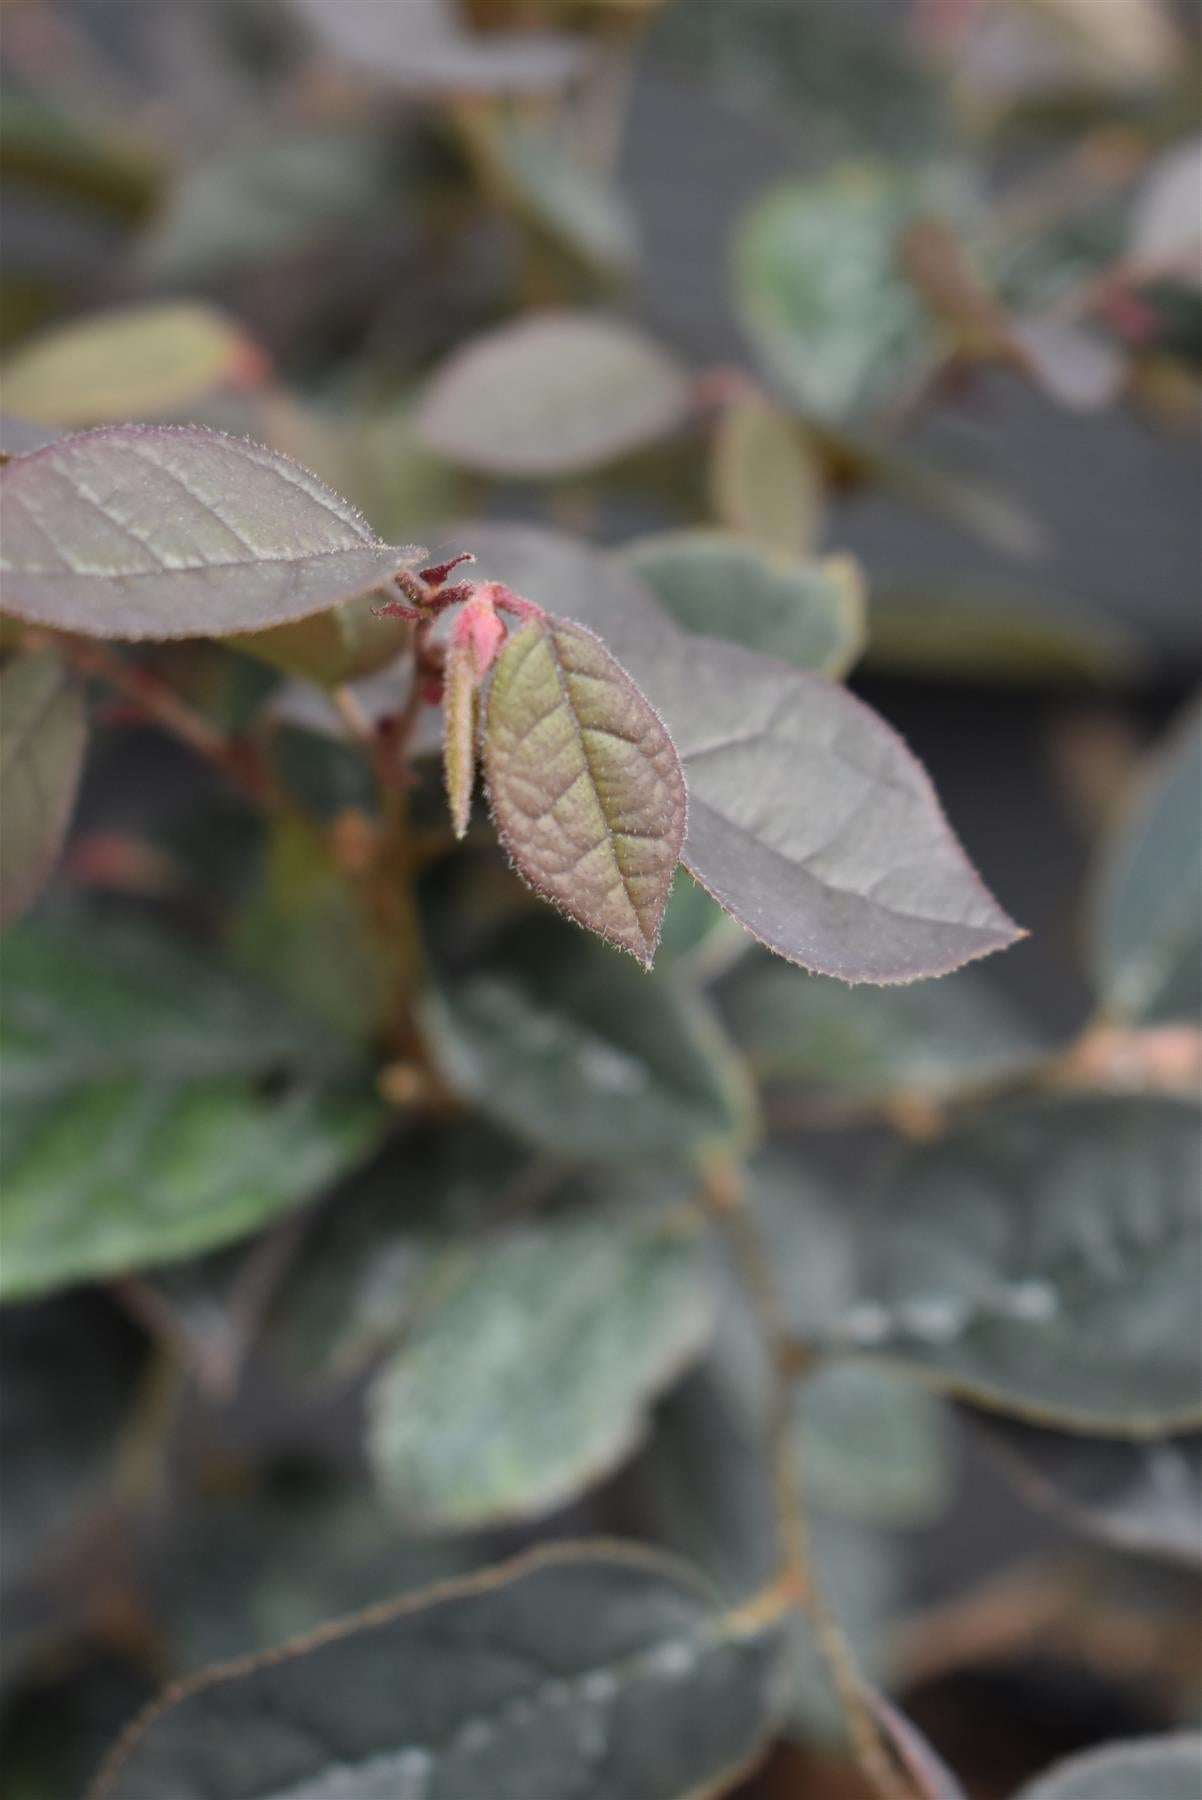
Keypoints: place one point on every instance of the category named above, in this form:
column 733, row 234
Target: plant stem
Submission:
column 726, row 1201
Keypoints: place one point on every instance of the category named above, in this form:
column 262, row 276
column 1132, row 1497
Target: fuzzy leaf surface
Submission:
column 809, row 820
column 1163, row 1768
column 552, row 395
column 1046, row 1263
column 138, row 1126
column 569, row 1046
column 595, row 1670
column 43, row 734
column 163, row 531
column 585, row 784
column 533, row 1374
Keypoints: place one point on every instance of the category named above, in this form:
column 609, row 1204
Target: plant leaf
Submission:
column 1147, row 927
column 460, row 727
column 347, row 643
column 928, row 1039
column 137, row 1127
column 873, row 1445
column 1158, row 1768
column 43, row 735
column 533, row 1374
column 1046, row 1262
column 809, row 820
column 419, row 45
column 810, row 614
column 556, row 1037
column 554, row 394
column 1142, row 1498
column 127, row 364
column 585, row 785
column 993, row 631
column 765, row 481
column 173, row 531
column 932, row 1780
column 594, row 1669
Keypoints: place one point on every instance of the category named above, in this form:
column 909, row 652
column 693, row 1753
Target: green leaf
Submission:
column 585, row 785
column 1045, row 1262
column 344, row 644
column 532, row 1375
column 43, row 734
column 558, row 1039
column 868, row 1044
column 1142, row 1498
column 765, row 482
column 697, row 935
column 874, row 1445
column 421, row 46
column 164, row 531
column 129, row 364
column 809, row 820
column 1147, row 927
column 810, row 614
column 154, row 1106
column 993, row 631
column 821, row 294
column 595, row 1670
column 553, row 394
column 545, row 175
column 1159, row 1768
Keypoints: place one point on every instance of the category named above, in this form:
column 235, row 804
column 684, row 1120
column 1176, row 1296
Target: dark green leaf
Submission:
column 552, row 395
column 1148, row 919
column 154, row 1105
column 807, row 613
column 43, row 734
column 569, row 1045
column 1046, row 1262
column 532, row 1373
column 874, row 1445
column 598, row 1671
column 1164, row 1768
column 585, row 784
column 162, row 531
column 809, row 821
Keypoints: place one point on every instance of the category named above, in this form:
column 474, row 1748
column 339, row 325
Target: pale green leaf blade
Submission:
column 43, row 734
column 155, row 1105
column 132, row 363
column 874, row 1445
column 1147, row 927
column 1159, row 1768
column 765, row 481
column 552, row 395
column 1046, row 1262
column 597, row 1670
column 571, row 1047
column 534, row 1373
column 809, row 820
column 585, row 784
column 811, row 614
column 164, row 531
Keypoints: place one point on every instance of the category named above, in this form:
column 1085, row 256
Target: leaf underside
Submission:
column 586, row 787
column 43, row 730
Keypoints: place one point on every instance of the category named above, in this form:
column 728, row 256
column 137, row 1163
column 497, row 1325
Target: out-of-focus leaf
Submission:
column 717, row 585
column 1162, row 1768
column 162, row 531
column 1134, row 43
column 1147, row 930
column 70, row 1379
column 1165, row 232
column 821, row 293
column 809, row 821
column 1144, row 1498
column 994, row 633
column 48, row 148
column 1072, row 365
column 346, row 643
column 569, row 1045
column 532, row 1375
column 874, row 1445
column 399, row 484
column 967, row 501
column 1045, row 1262
column 932, row 1780
column 134, row 363
column 19, row 436
column 554, row 394
column 420, row 45
column 928, row 1039
column 696, row 934
column 155, row 1105
column 585, row 784
column 765, row 481
column 568, row 1661
column 43, row 734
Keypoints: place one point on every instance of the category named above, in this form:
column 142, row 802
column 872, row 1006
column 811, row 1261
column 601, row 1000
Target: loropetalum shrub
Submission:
column 513, row 1267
